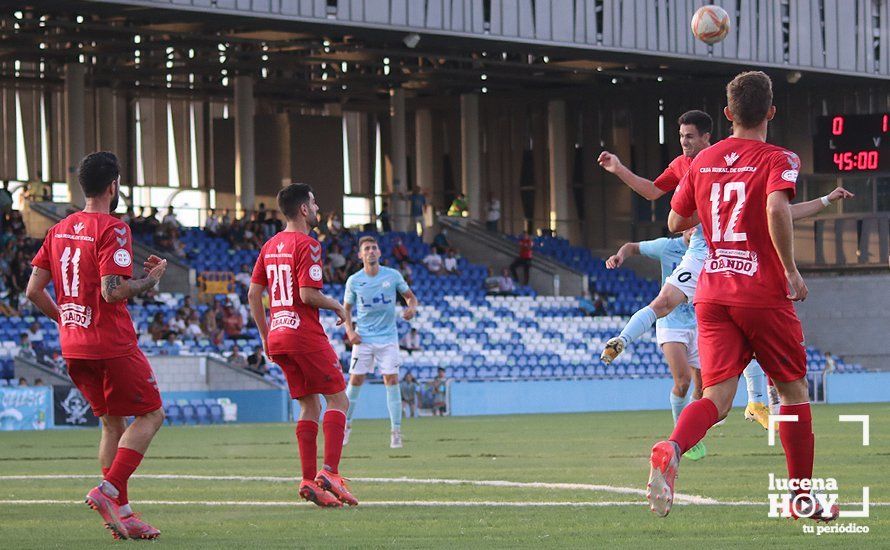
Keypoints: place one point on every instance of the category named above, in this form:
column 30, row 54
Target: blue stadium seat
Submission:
column 174, row 415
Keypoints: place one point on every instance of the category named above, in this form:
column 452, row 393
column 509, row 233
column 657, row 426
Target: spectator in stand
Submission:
column 272, row 224
column 225, row 221
column 58, row 363
column 434, row 262
column 158, row 327
column 410, row 341
column 407, row 272
column 193, row 330
column 450, row 263
column 409, row 390
column 170, row 218
column 172, row 345
column 439, row 388
column 217, row 337
column 35, row 334
column 385, row 218
column 151, row 221
column 261, row 213
column 38, row 382
column 23, row 382
column 418, row 203
column 440, row 241
column 187, row 308
column 338, row 264
column 491, row 282
column 458, row 206
column 257, row 362
column 26, row 350
column 243, row 277
column 599, row 306
column 400, row 251
column 236, row 359
column 492, row 213
column 524, row 260
column 209, row 322
column 335, row 227
column 212, row 227
column 505, row 284
column 232, row 323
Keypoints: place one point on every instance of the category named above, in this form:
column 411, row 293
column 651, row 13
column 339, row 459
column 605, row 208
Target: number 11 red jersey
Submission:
column 728, row 184
column 79, row 251
column 288, row 261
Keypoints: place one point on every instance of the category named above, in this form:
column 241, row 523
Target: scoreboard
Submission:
column 852, row 144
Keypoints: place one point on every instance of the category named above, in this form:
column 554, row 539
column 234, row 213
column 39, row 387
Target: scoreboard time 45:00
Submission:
column 852, row 144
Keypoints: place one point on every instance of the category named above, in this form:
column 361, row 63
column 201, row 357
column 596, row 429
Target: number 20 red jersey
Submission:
column 728, row 184
column 79, row 251
column 288, row 261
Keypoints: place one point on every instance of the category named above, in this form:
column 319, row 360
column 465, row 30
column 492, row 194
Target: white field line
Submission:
column 407, row 480
column 679, row 498
column 392, row 503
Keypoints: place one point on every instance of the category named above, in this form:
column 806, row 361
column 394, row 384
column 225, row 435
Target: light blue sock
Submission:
column 754, row 378
column 352, row 393
column 678, row 404
column 639, row 324
column 394, row 404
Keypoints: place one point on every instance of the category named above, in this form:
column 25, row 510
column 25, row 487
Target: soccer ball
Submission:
column 710, row 24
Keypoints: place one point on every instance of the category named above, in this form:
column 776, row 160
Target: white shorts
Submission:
column 685, row 276
column 385, row 357
column 685, row 336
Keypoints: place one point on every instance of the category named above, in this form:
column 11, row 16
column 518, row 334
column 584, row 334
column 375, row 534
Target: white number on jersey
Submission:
column 730, row 235
column 71, row 287
column 281, row 281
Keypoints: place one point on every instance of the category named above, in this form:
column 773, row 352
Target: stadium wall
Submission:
column 253, row 405
column 848, row 315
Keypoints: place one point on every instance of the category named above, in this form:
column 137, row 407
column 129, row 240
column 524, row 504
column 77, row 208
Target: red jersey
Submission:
column 728, row 184
column 288, row 261
column 79, row 251
column 525, row 248
column 670, row 178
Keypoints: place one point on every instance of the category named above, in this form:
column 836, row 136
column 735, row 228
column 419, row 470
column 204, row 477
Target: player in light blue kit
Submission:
column 676, row 333
column 374, row 336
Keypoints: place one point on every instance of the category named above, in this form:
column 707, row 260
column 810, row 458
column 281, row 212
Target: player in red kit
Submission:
column 740, row 189
column 88, row 257
column 290, row 267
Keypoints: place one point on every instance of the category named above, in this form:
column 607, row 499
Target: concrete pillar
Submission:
column 560, row 192
column 74, row 125
column 471, row 153
column 358, row 138
column 423, row 147
column 398, row 156
column 245, row 169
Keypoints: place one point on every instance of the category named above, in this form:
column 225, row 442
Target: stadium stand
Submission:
column 471, row 335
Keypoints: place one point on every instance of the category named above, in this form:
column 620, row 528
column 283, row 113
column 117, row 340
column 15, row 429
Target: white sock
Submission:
column 109, row 489
column 754, row 378
column 678, row 404
column 125, row 510
column 638, row 325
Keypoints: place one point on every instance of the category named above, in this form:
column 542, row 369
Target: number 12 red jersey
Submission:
column 79, row 251
column 728, row 184
column 288, row 261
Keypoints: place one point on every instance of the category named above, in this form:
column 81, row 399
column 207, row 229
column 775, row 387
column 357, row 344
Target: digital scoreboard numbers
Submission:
column 852, row 144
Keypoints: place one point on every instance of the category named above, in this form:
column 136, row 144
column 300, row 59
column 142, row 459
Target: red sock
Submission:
column 105, row 472
column 334, row 425
column 798, row 441
column 125, row 463
column 694, row 422
column 307, row 433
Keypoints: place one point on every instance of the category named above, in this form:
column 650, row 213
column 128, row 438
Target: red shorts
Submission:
column 729, row 337
column 316, row 372
column 122, row 386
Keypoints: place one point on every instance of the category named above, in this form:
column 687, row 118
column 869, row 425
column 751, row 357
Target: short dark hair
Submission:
column 96, row 172
column 366, row 239
column 292, row 197
column 749, row 96
column 700, row 119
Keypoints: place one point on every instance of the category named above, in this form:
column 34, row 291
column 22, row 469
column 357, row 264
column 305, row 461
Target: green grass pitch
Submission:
column 606, row 449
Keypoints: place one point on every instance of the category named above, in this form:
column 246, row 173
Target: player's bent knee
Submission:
column 114, row 425
column 156, row 417
column 338, row 401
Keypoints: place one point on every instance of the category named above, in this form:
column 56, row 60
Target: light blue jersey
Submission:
column 698, row 247
column 375, row 302
column 669, row 252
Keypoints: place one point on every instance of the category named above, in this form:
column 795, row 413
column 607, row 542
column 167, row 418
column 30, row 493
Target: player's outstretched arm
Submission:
column 627, row 250
column 314, row 297
column 412, row 302
column 38, row 295
column 258, row 311
column 813, row 207
column 116, row 288
column 781, row 232
column 678, row 224
column 645, row 188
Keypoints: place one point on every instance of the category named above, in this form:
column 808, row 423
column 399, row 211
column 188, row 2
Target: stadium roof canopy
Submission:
column 197, row 52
